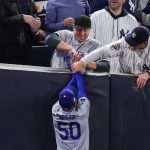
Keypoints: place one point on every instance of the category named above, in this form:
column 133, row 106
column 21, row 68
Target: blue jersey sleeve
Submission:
column 72, row 85
column 80, row 85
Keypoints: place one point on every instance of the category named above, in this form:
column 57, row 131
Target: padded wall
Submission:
column 129, row 114
column 26, row 99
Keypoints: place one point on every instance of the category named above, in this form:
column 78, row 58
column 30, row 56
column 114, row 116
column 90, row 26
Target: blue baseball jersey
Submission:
column 72, row 128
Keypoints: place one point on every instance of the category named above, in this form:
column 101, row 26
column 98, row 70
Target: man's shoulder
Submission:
column 64, row 32
column 131, row 17
column 118, row 45
column 99, row 12
column 83, row 101
column 55, row 107
column 92, row 41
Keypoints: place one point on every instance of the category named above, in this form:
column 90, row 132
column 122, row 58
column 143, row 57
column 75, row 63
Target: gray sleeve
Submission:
column 97, row 54
column 53, row 40
column 64, row 35
column 113, row 49
column 143, row 18
column 146, row 19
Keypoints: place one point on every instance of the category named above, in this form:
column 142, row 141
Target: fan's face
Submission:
column 81, row 34
column 140, row 47
column 116, row 4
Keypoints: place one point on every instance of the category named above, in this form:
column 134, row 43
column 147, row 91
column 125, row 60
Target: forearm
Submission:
column 72, row 82
column 64, row 46
column 80, row 85
column 72, row 85
column 55, row 42
column 97, row 54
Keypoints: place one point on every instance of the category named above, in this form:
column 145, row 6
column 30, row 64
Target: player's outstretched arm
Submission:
column 80, row 85
column 72, row 86
column 72, row 82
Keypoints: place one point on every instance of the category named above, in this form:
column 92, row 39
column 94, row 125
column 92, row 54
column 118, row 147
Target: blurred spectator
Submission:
column 66, row 42
column 112, row 23
column 142, row 13
column 140, row 4
column 90, row 1
column 60, row 14
column 130, row 5
column 16, row 26
column 135, row 5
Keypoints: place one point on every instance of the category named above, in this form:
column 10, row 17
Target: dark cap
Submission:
column 82, row 22
column 137, row 36
column 66, row 99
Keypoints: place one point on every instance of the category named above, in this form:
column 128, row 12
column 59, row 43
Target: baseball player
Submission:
column 70, row 116
column 133, row 52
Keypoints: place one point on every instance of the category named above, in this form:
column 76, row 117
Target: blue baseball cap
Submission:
column 66, row 99
column 137, row 36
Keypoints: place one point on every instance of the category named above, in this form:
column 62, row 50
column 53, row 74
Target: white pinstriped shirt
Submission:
column 107, row 28
column 129, row 61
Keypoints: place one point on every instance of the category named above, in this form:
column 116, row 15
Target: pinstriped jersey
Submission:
column 129, row 61
column 107, row 28
column 130, row 5
column 71, row 128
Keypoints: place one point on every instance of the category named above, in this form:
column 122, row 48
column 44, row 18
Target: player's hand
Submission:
column 32, row 22
column 68, row 22
column 77, row 66
column 142, row 79
column 91, row 65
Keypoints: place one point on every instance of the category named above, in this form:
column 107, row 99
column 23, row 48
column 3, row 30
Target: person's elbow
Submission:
column 52, row 40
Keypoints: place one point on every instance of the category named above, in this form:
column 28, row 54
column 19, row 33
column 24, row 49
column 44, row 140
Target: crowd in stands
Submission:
column 108, row 21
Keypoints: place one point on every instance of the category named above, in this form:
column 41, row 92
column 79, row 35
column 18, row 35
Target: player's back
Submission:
column 71, row 128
